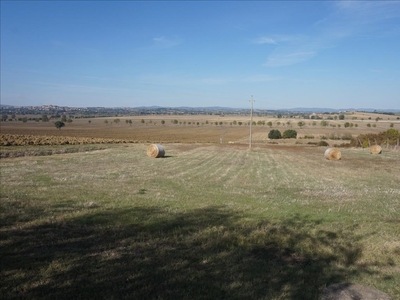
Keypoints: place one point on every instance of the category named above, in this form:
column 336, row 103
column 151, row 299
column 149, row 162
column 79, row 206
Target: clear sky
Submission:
column 287, row 54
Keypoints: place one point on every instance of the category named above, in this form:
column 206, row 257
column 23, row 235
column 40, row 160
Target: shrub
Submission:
column 274, row 134
column 323, row 144
column 347, row 137
column 290, row 134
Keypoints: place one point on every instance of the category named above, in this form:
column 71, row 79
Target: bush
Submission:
column 323, row 144
column 274, row 134
column 290, row 134
column 347, row 137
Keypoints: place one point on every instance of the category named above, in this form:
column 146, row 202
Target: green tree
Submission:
column 301, row 124
column 324, row 123
column 347, row 124
column 289, row 134
column 274, row 134
column 341, row 117
column 59, row 124
column 45, row 118
column 269, row 124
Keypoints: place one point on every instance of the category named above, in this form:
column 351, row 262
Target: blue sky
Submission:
column 331, row 54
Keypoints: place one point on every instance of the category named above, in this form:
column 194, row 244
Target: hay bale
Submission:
column 333, row 154
column 375, row 149
column 155, row 151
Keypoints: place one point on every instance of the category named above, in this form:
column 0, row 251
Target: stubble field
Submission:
column 210, row 220
column 204, row 128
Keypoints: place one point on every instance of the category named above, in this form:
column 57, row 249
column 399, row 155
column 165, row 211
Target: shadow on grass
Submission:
column 143, row 253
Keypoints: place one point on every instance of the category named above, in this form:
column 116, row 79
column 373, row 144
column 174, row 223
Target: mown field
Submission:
column 204, row 128
column 207, row 221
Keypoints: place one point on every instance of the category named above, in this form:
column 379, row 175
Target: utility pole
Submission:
column 251, row 119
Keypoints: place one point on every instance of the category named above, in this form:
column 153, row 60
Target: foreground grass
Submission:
column 205, row 222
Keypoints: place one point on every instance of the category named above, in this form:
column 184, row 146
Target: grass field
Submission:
column 207, row 221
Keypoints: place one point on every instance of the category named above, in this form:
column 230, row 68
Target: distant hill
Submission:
column 214, row 108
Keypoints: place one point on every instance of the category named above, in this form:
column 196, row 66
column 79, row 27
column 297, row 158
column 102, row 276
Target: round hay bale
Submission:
column 155, row 151
column 333, row 154
column 375, row 149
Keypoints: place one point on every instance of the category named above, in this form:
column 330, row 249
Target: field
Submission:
column 210, row 220
column 205, row 128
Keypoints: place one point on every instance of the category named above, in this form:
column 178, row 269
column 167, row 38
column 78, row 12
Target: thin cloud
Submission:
column 163, row 42
column 346, row 20
column 260, row 78
column 264, row 40
column 280, row 60
column 171, row 80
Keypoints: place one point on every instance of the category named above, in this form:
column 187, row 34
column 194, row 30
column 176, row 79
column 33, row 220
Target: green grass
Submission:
column 205, row 222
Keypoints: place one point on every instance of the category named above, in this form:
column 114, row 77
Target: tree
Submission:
column 59, row 124
column 45, row 118
column 341, row 117
column 274, row 134
column 269, row 124
column 324, row 123
column 290, row 134
column 301, row 124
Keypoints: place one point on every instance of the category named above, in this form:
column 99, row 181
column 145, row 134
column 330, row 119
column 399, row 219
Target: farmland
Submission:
column 204, row 128
column 210, row 220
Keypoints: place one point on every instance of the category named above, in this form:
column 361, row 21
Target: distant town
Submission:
column 91, row 112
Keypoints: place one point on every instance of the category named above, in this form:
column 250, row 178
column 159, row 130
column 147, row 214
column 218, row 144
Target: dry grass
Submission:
column 207, row 222
column 211, row 220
